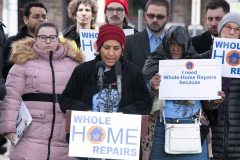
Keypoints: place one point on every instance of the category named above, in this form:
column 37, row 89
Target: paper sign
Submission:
column 105, row 135
column 23, row 121
column 190, row 79
column 228, row 52
column 88, row 39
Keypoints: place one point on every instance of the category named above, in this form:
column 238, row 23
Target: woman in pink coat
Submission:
column 42, row 68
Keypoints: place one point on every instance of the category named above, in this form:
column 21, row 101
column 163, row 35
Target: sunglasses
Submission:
column 158, row 16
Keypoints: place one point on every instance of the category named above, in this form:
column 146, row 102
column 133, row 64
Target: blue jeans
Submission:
column 158, row 151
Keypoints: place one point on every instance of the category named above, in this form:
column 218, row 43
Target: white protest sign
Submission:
column 228, row 52
column 190, row 79
column 105, row 135
column 88, row 38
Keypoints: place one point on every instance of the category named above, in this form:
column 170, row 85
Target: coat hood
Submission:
column 181, row 35
column 22, row 51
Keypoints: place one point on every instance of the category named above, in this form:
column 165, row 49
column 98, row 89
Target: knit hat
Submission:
column 230, row 17
column 123, row 2
column 110, row 32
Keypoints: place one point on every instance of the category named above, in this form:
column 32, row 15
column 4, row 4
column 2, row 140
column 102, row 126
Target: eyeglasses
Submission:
column 229, row 28
column 44, row 38
column 158, row 16
column 216, row 18
column 37, row 16
column 111, row 10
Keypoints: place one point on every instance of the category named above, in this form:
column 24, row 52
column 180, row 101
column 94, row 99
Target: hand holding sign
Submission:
column 155, row 81
column 219, row 101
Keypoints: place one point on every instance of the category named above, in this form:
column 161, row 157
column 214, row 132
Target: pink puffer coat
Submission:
column 32, row 73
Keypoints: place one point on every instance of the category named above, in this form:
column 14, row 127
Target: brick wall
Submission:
column 55, row 10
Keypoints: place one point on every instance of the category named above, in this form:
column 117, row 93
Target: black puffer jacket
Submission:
column 2, row 41
column 7, row 65
column 226, row 133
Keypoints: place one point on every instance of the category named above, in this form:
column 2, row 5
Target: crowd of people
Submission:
column 48, row 72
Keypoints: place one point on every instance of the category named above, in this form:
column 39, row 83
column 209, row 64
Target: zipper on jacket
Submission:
column 54, row 105
column 226, row 128
column 108, row 108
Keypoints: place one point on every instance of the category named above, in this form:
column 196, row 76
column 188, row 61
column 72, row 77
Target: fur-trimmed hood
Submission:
column 22, row 51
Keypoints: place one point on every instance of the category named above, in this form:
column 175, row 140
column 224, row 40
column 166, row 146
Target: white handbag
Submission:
column 183, row 138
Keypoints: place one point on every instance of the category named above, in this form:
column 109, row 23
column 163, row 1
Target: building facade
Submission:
column 180, row 11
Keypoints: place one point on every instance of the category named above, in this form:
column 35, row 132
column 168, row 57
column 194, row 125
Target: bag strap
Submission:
column 200, row 114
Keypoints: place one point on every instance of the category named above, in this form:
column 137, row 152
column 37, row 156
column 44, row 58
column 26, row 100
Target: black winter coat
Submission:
column 78, row 94
column 2, row 41
column 7, row 65
column 226, row 129
column 128, row 27
column 137, row 48
column 203, row 42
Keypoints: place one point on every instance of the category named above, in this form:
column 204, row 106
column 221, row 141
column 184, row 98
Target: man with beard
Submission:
column 116, row 12
column 215, row 10
column 140, row 45
column 34, row 13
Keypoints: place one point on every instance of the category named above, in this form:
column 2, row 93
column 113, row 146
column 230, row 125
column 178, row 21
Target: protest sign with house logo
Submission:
column 88, row 39
column 227, row 51
column 105, row 135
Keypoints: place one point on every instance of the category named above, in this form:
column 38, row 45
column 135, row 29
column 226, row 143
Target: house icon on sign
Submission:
column 96, row 135
column 233, row 58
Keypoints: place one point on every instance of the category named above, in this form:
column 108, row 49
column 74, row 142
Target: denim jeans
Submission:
column 158, row 152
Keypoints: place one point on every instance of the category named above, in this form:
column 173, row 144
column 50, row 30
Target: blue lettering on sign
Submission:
column 92, row 35
column 109, row 150
column 235, row 70
column 78, row 119
column 89, row 35
column 134, row 152
column 74, row 133
column 95, row 149
column 114, row 151
column 93, row 119
column 111, row 136
column 129, row 136
column 170, row 77
column 126, row 151
column 84, row 44
column 218, row 44
column 219, row 55
column 225, row 44
column 231, row 45
column 189, row 72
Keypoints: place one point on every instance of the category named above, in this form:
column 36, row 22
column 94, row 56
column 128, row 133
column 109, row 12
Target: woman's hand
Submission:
column 11, row 137
column 219, row 101
column 155, row 81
